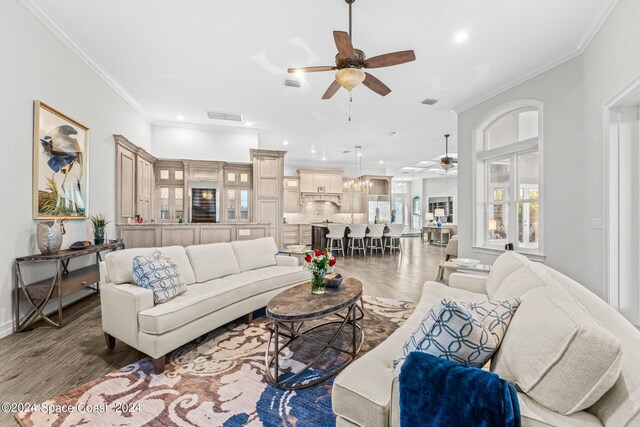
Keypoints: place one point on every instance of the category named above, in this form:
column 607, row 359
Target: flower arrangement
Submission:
column 319, row 263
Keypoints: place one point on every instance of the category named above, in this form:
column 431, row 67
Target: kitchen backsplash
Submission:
column 322, row 211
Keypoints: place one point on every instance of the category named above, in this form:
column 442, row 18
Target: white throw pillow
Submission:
column 159, row 274
column 519, row 282
column 257, row 253
column 212, row 261
column 557, row 353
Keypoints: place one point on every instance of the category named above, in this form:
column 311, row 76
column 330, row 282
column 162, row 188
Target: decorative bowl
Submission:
column 296, row 248
column 465, row 262
column 333, row 280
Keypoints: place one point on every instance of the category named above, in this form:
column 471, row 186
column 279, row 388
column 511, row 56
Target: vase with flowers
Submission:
column 319, row 263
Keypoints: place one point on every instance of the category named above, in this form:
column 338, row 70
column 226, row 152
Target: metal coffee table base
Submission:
column 286, row 329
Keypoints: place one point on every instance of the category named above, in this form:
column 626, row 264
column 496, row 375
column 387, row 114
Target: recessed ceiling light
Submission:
column 461, row 36
column 381, row 161
column 299, row 74
column 181, row 118
column 360, row 154
column 248, row 124
column 324, row 158
column 285, row 142
column 313, row 151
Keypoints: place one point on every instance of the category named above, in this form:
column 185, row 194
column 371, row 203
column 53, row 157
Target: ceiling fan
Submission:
column 351, row 61
column 447, row 162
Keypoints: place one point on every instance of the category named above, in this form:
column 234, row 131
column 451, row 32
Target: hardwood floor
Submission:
column 46, row 361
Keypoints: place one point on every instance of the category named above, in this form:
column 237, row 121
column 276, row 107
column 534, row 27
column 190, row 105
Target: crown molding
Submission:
column 582, row 44
column 39, row 13
column 596, row 24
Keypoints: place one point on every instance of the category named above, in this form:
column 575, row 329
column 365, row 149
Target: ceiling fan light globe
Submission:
column 349, row 78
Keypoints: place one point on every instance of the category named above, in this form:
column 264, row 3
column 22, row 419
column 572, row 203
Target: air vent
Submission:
column 429, row 101
column 292, row 83
column 217, row 115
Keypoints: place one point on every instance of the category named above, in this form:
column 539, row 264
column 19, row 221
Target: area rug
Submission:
column 215, row 380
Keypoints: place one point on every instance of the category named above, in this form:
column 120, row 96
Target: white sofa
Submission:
column 224, row 282
column 366, row 392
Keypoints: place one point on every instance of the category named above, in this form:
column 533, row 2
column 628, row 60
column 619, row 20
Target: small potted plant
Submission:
column 99, row 222
column 319, row 263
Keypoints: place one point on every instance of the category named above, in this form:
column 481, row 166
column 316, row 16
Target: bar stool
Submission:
column 357, row 233
column 393, row 235
column 336, row 237
column 375, row 235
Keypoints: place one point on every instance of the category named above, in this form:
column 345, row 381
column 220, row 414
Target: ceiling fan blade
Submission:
column 343, row 43
column 310, row 69
column 376, row 85
column 389, row 59
column 331, row 90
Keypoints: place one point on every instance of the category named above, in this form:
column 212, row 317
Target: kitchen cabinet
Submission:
column 237, row 174
column 295, row 234
column 320, row 181
column 291, row 195
column 305, row 234
column 353, row 202
column 237, row 204
column 135, row 181
column 171, row 202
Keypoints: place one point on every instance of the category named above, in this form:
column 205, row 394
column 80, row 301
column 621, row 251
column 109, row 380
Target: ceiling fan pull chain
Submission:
column 350, row 99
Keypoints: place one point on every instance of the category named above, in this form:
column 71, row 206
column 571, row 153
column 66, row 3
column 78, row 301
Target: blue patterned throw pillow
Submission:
column 467, row 333
column 159, row 274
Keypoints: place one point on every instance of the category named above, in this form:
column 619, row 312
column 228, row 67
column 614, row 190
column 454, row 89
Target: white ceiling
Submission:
column 182, row 58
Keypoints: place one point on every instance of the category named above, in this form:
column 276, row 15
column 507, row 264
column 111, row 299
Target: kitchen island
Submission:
column 150, row 235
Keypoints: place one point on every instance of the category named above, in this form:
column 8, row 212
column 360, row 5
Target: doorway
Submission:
column 622, row 120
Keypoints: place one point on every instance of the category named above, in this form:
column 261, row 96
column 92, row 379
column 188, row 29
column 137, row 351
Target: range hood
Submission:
column 320, row 197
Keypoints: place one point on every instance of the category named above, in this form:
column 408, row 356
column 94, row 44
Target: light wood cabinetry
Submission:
column 295, row 234
column 148, row 236
column 236, row 195
column 320, row 181
column 291, row 194
column 268, row 190
column 135, row 182
column 353, row 202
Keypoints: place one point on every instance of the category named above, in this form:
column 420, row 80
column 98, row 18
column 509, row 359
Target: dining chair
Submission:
column 335, row 238
column 375, row 236
column 357, row 233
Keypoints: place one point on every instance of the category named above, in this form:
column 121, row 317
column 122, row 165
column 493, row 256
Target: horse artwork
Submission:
column 60, row 158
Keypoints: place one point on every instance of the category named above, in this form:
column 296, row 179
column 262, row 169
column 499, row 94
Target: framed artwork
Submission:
column 321, row 189
column 60, row 165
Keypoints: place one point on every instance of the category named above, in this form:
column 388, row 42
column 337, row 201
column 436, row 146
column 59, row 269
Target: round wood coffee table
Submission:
column 290, row 309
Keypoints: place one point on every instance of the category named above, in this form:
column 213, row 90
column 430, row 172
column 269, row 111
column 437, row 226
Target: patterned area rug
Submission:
column 216, row 380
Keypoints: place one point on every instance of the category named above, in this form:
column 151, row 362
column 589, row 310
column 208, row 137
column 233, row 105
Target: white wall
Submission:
column 574, row 94
column 440, row 187
column 171, row 142
column 38, row 65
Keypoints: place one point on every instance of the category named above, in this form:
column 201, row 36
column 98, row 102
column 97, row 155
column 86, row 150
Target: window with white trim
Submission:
column 508, row 176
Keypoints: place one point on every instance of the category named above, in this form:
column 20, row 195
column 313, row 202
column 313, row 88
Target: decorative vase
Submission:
column 98, row 235
column 317, row 284
column 49, row 237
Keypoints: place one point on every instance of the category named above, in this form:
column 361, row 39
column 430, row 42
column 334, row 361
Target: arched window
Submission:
column 508, row 178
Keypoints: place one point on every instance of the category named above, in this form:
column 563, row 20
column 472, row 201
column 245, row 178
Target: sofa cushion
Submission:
column 504, row 265
column 257, row 253
column 205, row 298
column 212, row 261
column 557, row 353
column 534, row 414
column 120, row 263
column 519, row 282
column 159, row 274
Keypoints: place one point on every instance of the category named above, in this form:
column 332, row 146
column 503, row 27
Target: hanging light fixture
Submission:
column 447, row 162
column 358, row 185
column 349, row 78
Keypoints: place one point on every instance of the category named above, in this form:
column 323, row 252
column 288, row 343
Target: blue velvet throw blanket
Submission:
column 440, row 393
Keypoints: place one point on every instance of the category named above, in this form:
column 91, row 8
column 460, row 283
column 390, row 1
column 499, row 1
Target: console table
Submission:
column 63, row 282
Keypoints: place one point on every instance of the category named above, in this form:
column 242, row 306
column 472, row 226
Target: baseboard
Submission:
column 6, row 328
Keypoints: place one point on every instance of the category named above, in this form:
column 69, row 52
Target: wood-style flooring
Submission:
column 45, row 362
